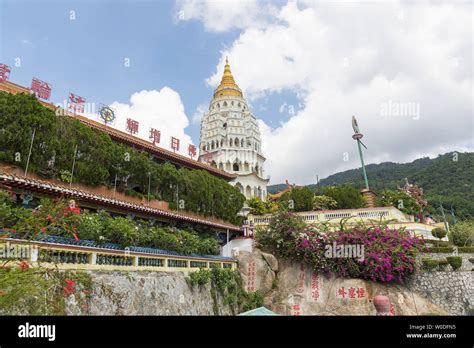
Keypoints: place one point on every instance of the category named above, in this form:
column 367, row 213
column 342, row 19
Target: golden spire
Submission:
column 227, row 87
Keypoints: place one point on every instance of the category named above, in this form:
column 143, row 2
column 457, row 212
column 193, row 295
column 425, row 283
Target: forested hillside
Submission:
column 449, row 178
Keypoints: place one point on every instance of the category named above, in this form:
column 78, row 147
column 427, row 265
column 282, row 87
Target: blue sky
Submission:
column 392, row 64
column 86, row 55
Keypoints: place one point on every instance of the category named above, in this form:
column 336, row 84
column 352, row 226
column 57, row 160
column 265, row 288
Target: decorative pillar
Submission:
column 370, row 198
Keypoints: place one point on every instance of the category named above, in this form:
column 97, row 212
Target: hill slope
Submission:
column 442, row 179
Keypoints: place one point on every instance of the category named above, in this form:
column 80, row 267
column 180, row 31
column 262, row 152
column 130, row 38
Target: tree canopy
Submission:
column 99, row 160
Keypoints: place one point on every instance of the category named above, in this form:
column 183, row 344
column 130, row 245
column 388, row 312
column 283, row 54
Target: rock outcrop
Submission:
column 294, row 289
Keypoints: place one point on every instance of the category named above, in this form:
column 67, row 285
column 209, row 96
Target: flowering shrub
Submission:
column 388, row 254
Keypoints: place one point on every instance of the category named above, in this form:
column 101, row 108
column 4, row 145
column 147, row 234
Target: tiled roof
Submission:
column 85, row 196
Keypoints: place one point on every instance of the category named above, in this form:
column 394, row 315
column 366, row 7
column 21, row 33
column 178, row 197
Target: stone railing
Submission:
column 335, row 216
column 54, row 253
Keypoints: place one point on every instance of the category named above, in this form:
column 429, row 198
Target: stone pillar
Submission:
column 370, row 198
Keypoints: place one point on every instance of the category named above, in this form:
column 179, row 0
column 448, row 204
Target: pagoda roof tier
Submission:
column 56, row 190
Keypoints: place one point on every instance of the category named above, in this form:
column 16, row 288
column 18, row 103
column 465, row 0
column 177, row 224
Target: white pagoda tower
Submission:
column 230, row 138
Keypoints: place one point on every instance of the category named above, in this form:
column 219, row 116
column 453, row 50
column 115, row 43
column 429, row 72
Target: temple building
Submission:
column 230, row 138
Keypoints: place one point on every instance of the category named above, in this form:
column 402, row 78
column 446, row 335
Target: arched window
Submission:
column 225, row 104
column 235, row 167
column 236, row 142
column 242, row 143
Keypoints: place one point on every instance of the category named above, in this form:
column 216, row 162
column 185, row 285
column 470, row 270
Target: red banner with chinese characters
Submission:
column 41, row 89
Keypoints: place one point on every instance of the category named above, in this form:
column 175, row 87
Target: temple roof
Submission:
column 51, row 189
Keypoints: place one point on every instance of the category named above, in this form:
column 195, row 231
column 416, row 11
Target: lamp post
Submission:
column 358, row 136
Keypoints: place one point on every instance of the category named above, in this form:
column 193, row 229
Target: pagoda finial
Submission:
column 227, row 87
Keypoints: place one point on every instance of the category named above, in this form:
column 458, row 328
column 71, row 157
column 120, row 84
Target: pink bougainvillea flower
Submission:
column 305, row 243
column 75, row 236
column 43, row 229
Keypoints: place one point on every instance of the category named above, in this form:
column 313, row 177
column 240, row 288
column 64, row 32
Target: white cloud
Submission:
column 351, row 58
column 200, row 110
column 162, row 110
column 222, row 15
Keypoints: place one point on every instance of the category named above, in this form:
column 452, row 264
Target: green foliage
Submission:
column 324, row 203
column 49, row 218
column 39, row 291
column 462, row 233
column 439, row 233
column 399, row 199
column 257, row 206
column 347, row 197
column 441, row 250
column 442, row 265
column 228, row 284
column 65, row 176
column 466, row 249
column 455, row 262
column 201, row 277
column 253, row 300
column 429, row 264
column 99, row 160
column 447, row 178
column 302, row 198
column 282, row 224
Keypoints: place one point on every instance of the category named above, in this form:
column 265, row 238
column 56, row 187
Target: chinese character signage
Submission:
column 76, row 103
column 155, row 136
column 41, row 89
column 4, row 72
column 350, row 293
column 175, row 144
column 251, row 276
column 132, row 126
column 192, row 150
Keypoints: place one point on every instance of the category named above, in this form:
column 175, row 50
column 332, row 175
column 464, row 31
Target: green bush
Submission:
column 462, row 233
column 439, row 233
column 440, row 250
column 455, row 262
column 438, row 243
column 428, row 264
column 442, row 265
column 101, row 227
column 399, row 199
column 466, row 249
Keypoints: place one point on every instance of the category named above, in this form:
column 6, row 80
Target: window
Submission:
column 235, row 167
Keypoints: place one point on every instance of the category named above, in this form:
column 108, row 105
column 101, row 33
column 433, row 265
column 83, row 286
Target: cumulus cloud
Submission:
column 162, row 110
column 223, row 15
column 404, row 70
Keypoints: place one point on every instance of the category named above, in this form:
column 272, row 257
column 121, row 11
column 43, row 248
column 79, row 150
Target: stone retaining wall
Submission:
column 452, row 291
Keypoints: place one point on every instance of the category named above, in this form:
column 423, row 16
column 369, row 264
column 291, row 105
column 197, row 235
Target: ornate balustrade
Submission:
column 67, row 253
